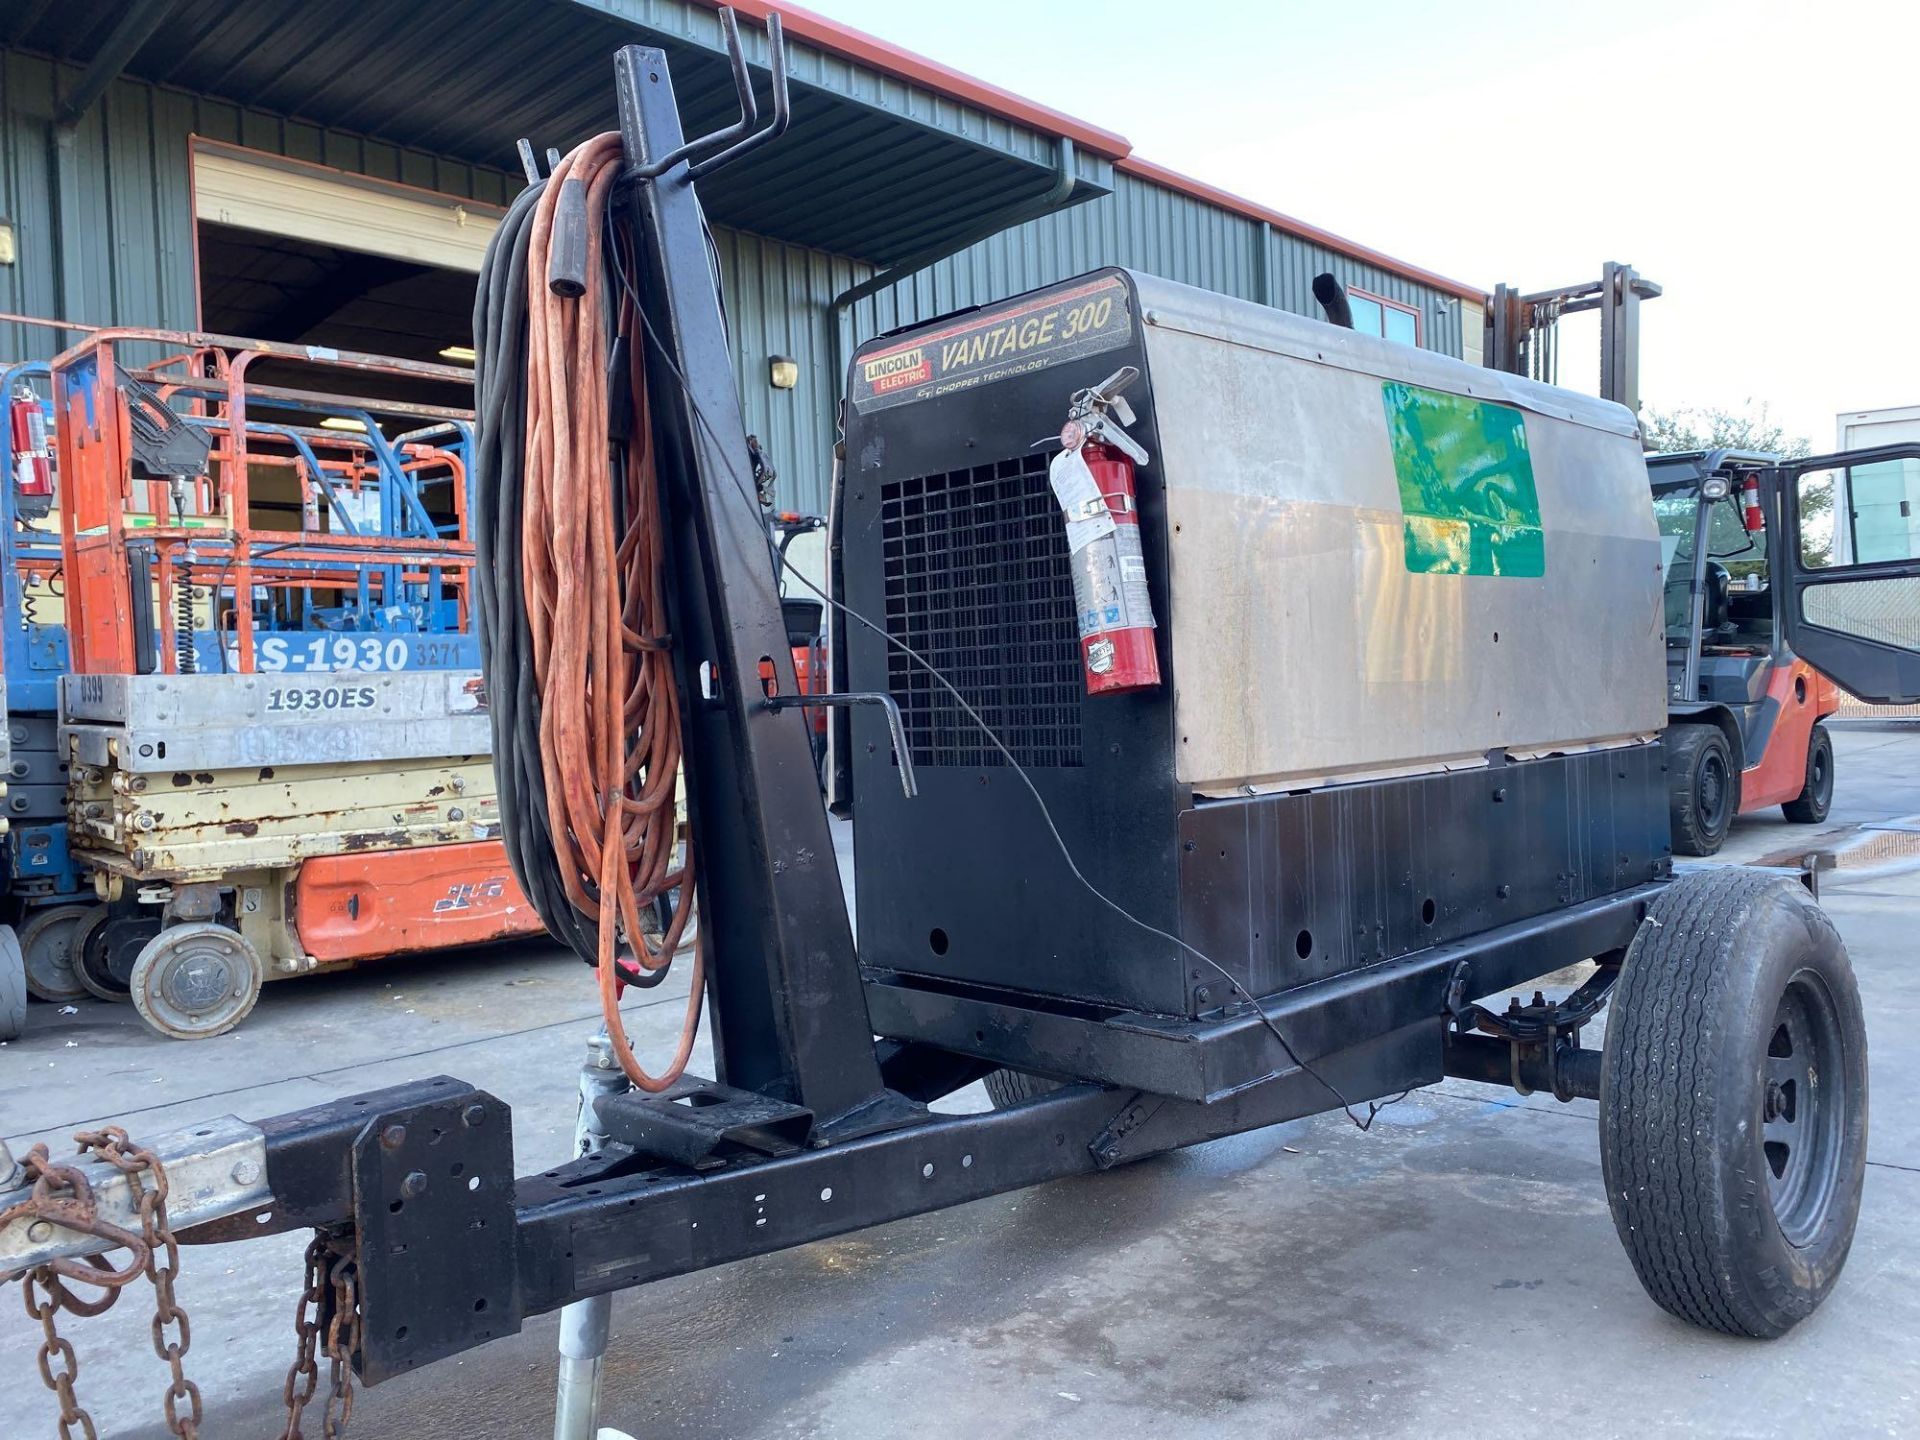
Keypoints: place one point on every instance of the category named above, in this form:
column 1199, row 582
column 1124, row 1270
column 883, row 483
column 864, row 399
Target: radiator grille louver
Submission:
column 977, row 581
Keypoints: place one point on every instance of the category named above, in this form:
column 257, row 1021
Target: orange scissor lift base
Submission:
column 351, row 908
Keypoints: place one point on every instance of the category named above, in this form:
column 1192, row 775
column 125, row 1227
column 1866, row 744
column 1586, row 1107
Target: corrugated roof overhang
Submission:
column 883, row 162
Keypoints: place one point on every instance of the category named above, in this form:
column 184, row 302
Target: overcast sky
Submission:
column 1755, row 159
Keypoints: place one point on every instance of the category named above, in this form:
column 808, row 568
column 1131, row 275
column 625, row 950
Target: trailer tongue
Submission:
column 1358, row 792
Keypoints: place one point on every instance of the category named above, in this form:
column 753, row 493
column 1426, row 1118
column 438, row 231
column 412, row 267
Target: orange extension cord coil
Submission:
column 610, row 718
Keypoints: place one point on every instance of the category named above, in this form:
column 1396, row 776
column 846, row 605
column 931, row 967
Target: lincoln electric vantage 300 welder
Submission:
column 1241, row 709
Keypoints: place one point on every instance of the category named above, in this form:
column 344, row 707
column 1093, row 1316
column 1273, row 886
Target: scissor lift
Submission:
column 288, row 568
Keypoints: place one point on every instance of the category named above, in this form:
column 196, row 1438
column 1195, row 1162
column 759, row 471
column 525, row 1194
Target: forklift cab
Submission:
column 1722, row 635
column 1781, row 579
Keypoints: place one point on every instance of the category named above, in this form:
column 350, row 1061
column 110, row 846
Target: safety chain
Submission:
column 330, row 1267
column 63, row 1196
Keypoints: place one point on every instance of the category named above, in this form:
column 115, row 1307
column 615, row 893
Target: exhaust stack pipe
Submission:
column 1332, row 296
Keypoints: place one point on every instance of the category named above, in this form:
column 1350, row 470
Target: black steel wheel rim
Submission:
column 1713, row 790
column 1820, row 780
column 1803, row 1107
column 94, row 956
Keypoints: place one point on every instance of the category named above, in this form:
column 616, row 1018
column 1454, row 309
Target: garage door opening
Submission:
column 280, row 287
column 309, row 255
column 319, row 258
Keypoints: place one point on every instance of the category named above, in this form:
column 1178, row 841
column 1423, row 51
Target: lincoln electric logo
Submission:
column 902, row 367
column 1049, row 328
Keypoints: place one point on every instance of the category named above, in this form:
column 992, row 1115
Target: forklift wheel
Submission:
column 13, row 985
column 1813, row 802
column 48, row 943
column 1703, row 789
column 197, row 980
column 1733, row 1102
column 1008, row 1088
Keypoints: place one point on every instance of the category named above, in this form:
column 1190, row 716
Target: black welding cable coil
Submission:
column 506, row 643
column 515, row 709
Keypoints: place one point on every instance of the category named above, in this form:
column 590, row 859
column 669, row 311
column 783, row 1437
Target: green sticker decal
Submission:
column 1466, row 484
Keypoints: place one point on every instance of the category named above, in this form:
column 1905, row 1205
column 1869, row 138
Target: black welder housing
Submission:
column 972, row 928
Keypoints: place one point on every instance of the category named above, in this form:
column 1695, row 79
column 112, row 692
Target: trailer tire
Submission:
column 195, row 981
column 13, row 985
column 49, row 941
column 1733, row 1103
column 1008, row 1088
column 1703, row 787
column 1815, row 799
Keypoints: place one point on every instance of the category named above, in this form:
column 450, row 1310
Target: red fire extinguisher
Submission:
column 1750, row 500
column 32, row 455
column 1093, row 479
column 1116, row 632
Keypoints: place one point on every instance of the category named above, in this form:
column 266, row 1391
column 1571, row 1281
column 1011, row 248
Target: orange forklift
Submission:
column 1744, row 710
column 1767, row 594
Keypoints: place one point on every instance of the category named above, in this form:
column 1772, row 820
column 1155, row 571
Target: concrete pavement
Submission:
column 1453, row 1269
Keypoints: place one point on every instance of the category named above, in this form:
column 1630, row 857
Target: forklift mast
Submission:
column 1523, row 329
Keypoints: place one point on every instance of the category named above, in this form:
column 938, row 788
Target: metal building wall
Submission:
column 779, row 297
column 132, row 196
column 1148, row 227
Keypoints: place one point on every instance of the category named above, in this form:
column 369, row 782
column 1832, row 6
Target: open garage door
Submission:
column 296, row 252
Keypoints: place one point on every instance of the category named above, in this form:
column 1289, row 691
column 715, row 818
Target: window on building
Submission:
column 1389, row 319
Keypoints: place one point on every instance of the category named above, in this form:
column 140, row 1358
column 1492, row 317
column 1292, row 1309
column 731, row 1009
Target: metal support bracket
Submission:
column 783, row 981
column 433, row 1219
column 896, row 729
column 1542, row 1039
column 1107, row 1147
column 699, row 1122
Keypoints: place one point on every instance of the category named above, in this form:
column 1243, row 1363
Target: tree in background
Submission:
column 1710, row 427
column 1747, row 427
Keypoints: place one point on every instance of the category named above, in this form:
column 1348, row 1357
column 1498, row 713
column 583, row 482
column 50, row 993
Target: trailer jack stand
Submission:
column 586, row 1324
column 583, row 1345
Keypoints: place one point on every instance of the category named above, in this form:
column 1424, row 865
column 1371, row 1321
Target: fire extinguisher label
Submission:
column 1110, row 584
column 1088, row 518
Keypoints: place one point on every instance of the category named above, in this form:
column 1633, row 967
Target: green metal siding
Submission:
column 1145, row 226
column 778, row 297
column 133, row 197
column 133, row 193
column 777, row 300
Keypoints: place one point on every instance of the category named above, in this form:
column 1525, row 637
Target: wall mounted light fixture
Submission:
column 783, row 373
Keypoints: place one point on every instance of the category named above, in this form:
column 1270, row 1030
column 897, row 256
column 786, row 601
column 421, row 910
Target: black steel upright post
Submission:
column 789, row 1011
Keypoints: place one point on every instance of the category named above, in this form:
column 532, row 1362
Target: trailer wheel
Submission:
column 1810, row 807
column 13, row 985
column 1733, row 1103
column 1007, row 1088
column 48, row 946
column 196, row 981
column 1703, row 788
